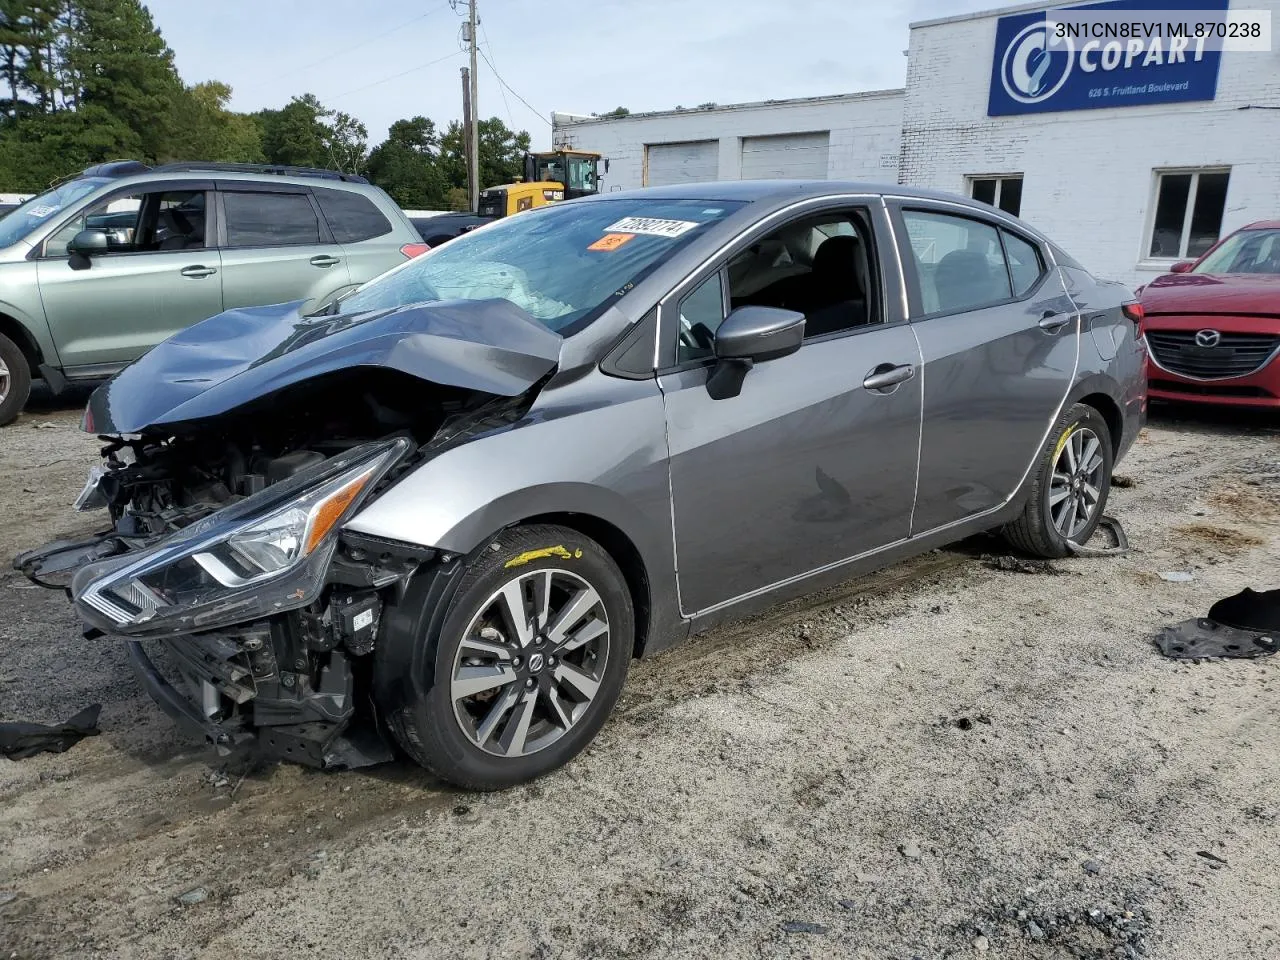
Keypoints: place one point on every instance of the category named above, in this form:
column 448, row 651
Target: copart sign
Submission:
column 1040, row 68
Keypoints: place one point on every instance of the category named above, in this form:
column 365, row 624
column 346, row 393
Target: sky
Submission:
column 382, row 60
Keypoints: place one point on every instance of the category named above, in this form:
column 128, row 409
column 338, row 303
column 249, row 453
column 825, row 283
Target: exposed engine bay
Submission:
column 296, row 682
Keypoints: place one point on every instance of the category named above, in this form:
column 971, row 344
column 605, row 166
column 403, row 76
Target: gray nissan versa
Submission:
column 445, row 510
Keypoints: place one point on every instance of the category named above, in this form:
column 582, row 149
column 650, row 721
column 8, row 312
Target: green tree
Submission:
column 204, row 129
column 502, row 153
column 347, row 141
column 406, row 165
column 120, row 64
column 296, row 135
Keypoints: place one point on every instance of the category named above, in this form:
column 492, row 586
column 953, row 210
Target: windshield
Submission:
column 20, row 222
column 1249, row 251
column 561, row 264
column 550, row 170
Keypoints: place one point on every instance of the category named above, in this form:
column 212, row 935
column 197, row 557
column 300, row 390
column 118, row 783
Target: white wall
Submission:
column 1088, row 180
column 865, row 129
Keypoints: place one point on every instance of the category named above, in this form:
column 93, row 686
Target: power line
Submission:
column 545, row 119
column 397, row 76
column 501, row 89
column 345, row 50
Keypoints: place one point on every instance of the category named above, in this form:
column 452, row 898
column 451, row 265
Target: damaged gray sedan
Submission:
column 446, row 511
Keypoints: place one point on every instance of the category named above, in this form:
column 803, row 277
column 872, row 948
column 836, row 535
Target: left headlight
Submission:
column 263, row 555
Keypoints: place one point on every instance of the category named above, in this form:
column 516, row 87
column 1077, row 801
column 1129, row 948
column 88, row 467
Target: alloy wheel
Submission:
column 1076, row 487
column 6, row 380
column 530, row 663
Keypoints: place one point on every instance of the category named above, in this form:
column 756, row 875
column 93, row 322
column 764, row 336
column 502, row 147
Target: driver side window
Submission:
column 142, row 222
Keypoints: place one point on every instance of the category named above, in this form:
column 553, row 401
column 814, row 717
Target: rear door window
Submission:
column 959, row 262
column 1025, row 265
column 257, row 219
column 352, row 217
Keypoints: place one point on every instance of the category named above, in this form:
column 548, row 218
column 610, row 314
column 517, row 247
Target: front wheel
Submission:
column 527, row 664
column 15, row 381
column 1070, row 488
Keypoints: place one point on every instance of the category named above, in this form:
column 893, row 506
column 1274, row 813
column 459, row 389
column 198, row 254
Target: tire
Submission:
column 15, row 381
column 1042, row 530
column 477, row 742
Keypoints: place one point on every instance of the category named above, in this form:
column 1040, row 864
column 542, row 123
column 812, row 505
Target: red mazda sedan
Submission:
column 1213, row 325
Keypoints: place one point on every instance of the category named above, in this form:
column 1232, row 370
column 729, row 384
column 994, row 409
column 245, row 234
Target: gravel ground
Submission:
column 942, row 760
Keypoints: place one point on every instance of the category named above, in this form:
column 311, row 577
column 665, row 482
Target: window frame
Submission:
column 211, row 219
column 972, row 178
column 911, row 277
column 882, row 234
column 224, row 187
column 1148, row 234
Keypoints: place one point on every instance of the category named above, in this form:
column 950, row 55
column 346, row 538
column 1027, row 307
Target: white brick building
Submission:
column 1128, row 190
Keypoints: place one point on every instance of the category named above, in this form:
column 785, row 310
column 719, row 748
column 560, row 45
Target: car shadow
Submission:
column 1212, row 420
column 44, row 400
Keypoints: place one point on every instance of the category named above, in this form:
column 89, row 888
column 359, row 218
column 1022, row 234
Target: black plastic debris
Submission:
column 20, row 740
column 1249, row 610
column 1108, row 529
column 1246, row 625
column 1203, row 638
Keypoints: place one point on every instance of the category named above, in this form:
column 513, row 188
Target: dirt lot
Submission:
column 942, row 760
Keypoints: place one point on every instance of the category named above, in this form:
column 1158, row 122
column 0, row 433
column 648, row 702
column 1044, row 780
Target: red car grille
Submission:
column 1235, row 354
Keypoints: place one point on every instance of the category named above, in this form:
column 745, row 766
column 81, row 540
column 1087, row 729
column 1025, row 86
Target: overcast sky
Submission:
column 374, row 58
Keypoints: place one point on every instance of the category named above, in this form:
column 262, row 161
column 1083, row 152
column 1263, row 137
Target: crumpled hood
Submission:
column 241, row 355
column 1246, row 293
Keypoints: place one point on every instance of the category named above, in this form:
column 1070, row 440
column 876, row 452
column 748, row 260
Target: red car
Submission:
column 1213, row 324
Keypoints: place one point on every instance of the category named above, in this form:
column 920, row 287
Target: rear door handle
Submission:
column 198, row 271
column 324, row 260
column 1052, row 322
column 888, row 375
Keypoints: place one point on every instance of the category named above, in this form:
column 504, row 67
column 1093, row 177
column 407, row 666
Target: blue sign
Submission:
column 1036, row 72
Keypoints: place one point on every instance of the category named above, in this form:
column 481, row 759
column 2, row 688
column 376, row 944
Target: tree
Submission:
column 295, row 135
column 204, row 129
column 502, row 153
column 615, row 112
column 118, row 62
column 406, row 165
column 347, row 141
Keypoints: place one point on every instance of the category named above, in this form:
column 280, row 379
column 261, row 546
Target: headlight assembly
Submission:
column 264, row 554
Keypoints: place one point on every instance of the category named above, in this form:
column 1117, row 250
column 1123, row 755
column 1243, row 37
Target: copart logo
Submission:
column 1036, row 65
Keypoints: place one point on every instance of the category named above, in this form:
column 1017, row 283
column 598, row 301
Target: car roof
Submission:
column 236, row 176
column 790, row 191
column 1262, row 225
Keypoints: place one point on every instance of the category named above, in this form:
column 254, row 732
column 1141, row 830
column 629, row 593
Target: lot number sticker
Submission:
column 611, row 241
column 651, row 227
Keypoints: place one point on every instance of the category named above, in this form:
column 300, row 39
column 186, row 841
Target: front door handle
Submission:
column 324, row 260
column 198, row 271
column 1052, row 321
column 888, row 375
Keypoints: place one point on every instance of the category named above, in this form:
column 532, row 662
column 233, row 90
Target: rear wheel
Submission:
column 527, row 665
column 15, row 381
column 1070, row 489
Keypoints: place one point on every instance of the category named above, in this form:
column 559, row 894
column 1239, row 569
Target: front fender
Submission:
column 594, row 447
column 36, row 327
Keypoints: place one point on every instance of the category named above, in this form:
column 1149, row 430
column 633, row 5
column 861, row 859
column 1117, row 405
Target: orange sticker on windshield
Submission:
column 611, row 241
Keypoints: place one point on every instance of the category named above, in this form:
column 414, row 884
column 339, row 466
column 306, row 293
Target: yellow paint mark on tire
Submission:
column 1062, row 443
column 530, row 555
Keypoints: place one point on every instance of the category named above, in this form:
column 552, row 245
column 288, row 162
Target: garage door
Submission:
column 794, row 156
column 695, row 160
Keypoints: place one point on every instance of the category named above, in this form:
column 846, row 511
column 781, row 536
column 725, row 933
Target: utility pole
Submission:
column 467, row 150
column 473, row 130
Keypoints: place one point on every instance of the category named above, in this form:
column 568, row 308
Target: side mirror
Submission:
column 1182, row 266
column 751, row 335
column 88, row 242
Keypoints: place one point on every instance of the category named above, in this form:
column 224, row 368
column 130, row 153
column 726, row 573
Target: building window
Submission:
column 1188, row 217
column 1002, row 192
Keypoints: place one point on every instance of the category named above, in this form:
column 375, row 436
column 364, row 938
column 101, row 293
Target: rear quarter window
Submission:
column 352, row 217
column 270, row 219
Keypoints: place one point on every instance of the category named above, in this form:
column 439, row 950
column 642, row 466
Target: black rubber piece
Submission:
column 1034, row 532
column 422, row 633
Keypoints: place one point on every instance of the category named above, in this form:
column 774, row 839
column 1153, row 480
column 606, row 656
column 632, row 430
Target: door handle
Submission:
column 198, row 271
column 324, row 260
column 1052, row 322
column 888, row 375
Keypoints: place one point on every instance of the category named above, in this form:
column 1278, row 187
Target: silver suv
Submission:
column 101, row 268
